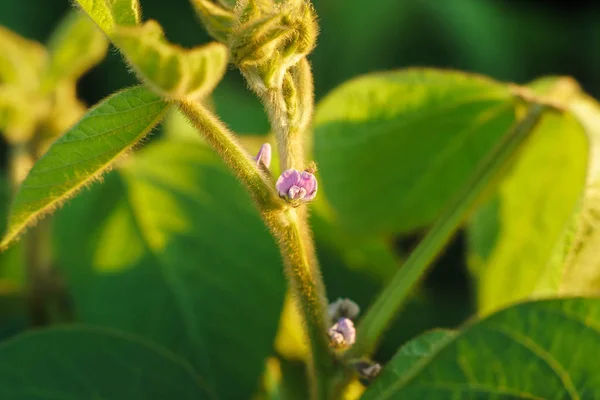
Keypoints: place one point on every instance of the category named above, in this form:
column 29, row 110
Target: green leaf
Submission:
column 21, row 60
column 518, row 240
column 373, row 255
column 18, row 113
column 84, row 363
column 21, row 64
column 409, row 356
column 173, row 249
column 13, row 315
column 75, row 47
column 106, row 132
column 537, row 350
column 12, row 261
column 582, row 267
column 392, row 148
column 108, row 14
column 171, row 70
column 382, row 311
column 218, row 21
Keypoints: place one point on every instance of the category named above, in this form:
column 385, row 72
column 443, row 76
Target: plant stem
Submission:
column 304, row 276
column 289, row 227
column 39, row 273
column 290, row 110
column 37, row 250
column 386, row 306
column 260, row 186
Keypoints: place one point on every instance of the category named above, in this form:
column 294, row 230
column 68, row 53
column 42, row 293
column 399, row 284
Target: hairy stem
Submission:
column 303, row 273
column 288, row 225
column 290, row 110
column 257, row 182
column 386, row 306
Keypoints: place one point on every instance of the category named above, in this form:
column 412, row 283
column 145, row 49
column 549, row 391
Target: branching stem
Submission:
column 288, row 225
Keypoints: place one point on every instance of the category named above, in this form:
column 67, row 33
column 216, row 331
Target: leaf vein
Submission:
column 543, row 354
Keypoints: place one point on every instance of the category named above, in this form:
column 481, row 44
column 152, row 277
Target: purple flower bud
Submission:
column 296, row 186
column 264, row 155
column 343, row 308
column 367, row 370
column 342, row 334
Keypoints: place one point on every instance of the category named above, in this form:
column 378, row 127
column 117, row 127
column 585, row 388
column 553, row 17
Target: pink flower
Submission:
column 264, row 155
column 296, row 186
column 342, row 334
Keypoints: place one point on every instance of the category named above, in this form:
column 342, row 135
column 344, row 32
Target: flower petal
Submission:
column 345, row 328
column 264, row 155
column 308, row 182
column 286, row 180
column 296, row 193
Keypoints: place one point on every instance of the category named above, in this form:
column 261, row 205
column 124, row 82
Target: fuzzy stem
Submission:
column 303, row 273
column 386, row 306
column 289, row 227
column 290, row 108
column 257, row 182
column 290, row 154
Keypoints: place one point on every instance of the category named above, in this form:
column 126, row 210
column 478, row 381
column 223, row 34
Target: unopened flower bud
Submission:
column 269, row 38
column 296, row 187
column 217, row 16
column 343, row 308
column 342, row 334
column 367, row 370
column 264, row 155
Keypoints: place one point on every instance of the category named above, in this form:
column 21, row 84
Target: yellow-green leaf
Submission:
column 65, row 112
column 107, row 131
column 217, row 20
column 108, row 14
column 21, row 60
column 21, row 64
column 171, row 70
column 517, row 239
column 394, row 147
column 18, row 113
column 582, row 269
column 76, row 46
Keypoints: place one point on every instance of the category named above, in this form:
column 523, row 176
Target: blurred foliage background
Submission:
column 513, row 41
column 510, row 40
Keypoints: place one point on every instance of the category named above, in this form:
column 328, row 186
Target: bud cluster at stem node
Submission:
column 265, row 37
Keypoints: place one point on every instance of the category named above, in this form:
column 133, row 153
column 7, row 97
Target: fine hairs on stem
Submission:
column 269, row 41
column 289, row 226
column 290, row 109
